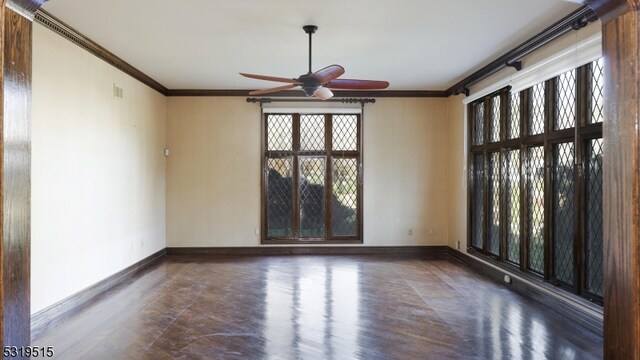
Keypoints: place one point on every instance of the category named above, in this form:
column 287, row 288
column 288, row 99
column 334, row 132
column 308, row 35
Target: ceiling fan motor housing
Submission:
column 309, row 84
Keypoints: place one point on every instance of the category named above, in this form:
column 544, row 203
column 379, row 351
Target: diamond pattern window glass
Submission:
column 563, row 212
column 345, row 132
column 477, row 217
column 279, row 197
column 312, row 195
column 478, row 124
column 312, row 192
column 540, row 210
column 312, row 131
column 279, row 132
column 512, row 193
column 535, row 206
column 344, row 204
column 566, row 107
column 594, row 233
column 494, row 120
column 536, row 109
column 513, row 131
column 596, row 83
column 494, row 203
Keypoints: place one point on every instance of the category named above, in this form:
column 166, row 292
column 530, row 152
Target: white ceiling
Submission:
column 203, row 44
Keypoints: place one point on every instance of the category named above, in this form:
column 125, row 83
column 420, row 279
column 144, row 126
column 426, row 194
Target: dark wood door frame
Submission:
column 621, row 194
column 16, row 18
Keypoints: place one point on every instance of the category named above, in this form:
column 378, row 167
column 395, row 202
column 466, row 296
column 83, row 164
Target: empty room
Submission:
column 320, row 180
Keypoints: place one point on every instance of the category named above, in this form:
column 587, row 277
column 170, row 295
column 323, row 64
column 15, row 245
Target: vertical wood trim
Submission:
column 2, row 117
column 360, row 177
column 621, row 195
column 470, row 171
column 263, row 175
column 15, row 179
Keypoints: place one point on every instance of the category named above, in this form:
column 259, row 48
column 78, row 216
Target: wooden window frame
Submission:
column 329, row 154
column 582, row 132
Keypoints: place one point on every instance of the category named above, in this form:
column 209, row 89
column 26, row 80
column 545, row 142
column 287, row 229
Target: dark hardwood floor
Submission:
column 316, row 307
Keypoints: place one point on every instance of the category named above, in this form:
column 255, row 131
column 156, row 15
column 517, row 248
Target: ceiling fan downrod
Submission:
column 310, row 29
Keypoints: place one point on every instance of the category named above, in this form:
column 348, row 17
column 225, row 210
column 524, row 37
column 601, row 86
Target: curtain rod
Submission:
column 362, row 101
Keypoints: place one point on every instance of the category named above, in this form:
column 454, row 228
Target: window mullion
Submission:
column 582, row 99
column 523, row 207
column 328, row 122
column 296, row 176
column 549, row 120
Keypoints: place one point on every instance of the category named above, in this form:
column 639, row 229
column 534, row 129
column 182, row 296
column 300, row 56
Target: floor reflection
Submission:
column 310, row 308
column 316, row 307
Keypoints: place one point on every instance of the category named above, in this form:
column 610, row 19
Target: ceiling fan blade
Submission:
column 353, row 84
column 323, row 93
column 272, row 90
column 327, row 74
column 271, row 78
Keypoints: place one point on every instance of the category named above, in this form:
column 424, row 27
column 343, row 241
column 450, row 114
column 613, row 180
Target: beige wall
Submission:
column 98, row 170
column 456, row 174
column 213, row 173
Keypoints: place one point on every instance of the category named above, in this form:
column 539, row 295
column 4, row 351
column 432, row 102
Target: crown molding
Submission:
column 294, row 93
column 56, row 25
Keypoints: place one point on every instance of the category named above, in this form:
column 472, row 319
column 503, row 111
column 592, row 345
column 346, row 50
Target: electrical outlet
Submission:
column 257, row 231
column 410, row 232
column 507, row 279
column 458, row 246
column 432, row 231
column 141, row 243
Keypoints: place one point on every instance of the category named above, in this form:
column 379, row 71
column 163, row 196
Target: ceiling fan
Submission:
column 319, row 83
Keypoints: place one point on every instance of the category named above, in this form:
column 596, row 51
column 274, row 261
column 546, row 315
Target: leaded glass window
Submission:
column 593, row 210
column 563, row 212
column 494, row 203
column 312, row 178
column 535, row 206
column 566, row 107
column 512, row 193
column 537, row 109
column 536, row 179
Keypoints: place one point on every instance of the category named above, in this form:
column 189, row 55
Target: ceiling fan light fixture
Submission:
column 309, row 90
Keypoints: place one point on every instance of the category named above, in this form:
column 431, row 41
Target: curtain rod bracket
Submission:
column 259, row 100
column 514, row 64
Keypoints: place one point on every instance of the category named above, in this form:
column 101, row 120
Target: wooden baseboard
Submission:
column 403, row 251
column 572, row 307
column 63, row 309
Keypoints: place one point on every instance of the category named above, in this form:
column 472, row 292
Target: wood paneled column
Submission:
column 15, row 163
column 621, row 194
